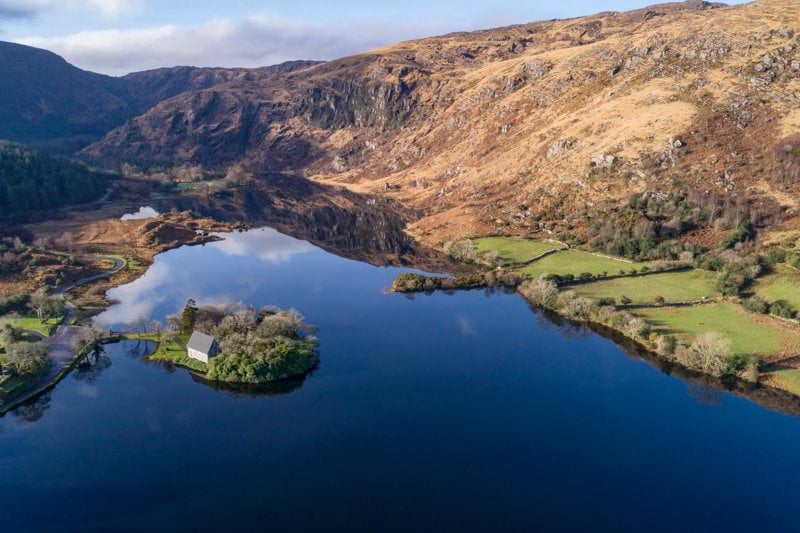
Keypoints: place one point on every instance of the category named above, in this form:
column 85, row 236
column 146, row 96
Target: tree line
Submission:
column 34, row 181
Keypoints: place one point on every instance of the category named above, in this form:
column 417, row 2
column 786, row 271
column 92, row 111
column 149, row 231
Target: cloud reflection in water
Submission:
column 210, row 280
column 266, row 244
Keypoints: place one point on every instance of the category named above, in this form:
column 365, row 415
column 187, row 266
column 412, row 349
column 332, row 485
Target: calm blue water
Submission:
column 440, row 413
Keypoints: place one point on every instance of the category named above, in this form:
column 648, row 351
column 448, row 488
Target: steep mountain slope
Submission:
column 539, row 126
column 45, row 99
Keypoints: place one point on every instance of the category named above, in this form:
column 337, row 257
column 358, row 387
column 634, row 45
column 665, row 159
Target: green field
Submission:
column 513, row 250
column 683, row 286
column 787, row 379
column 783, row 284
column 172, row 352
column 749, row 334
column 47, row 328
column 576, row 262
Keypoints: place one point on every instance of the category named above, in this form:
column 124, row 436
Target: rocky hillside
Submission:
column 44, row 99
column 546, row 126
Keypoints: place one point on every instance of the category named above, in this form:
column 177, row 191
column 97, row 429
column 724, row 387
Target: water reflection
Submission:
column 138, row 298
column 278, row 388
column 205, row 275
column 91, row 366
column 34, row 410
column 141, row 214
column 265, row 243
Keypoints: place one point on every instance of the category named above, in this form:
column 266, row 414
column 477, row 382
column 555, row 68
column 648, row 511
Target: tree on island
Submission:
column 188, row 317
column 258, row 346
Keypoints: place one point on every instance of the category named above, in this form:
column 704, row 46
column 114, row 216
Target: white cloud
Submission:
column 16, row 9
column 255, row 41
column 141, row 214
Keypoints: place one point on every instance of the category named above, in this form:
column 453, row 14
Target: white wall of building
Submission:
column 200, row 356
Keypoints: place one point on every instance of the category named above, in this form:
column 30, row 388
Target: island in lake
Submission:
column 237, row 344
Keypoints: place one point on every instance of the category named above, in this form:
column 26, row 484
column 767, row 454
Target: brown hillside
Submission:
column 559, row 116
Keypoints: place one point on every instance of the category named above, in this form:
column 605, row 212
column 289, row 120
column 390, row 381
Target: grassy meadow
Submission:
column 681, row 286
column 783, row 284
column 513, row 250
column 750, row 334
column 577, row 262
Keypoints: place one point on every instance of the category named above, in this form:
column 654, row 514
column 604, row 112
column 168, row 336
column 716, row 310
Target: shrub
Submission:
column 461, row 251
column 637, row 328
column 625, row 300
column 783, row 309
column 410, row 282
column 751, row 370
column 744, row 232
column 660, row 300
column 666, row 344
column 756, row 304
column 776, row 256
column 492, row 258
column 607, row 302
column 577, row 307
column 709, row 353
column 542, row 292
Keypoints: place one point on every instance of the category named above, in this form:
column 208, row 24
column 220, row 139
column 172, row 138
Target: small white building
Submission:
column 202, row 347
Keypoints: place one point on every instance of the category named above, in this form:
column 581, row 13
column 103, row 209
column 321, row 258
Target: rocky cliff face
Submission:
column 519, row 129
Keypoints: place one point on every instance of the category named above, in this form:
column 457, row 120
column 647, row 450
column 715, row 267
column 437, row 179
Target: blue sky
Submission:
column 120, row 36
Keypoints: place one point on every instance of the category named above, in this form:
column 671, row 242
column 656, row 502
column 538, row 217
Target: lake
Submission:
column 461, row 412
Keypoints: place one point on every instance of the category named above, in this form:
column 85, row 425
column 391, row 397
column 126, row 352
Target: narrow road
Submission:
column 60, row 351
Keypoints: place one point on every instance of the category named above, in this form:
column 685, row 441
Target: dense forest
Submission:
column 33, row 181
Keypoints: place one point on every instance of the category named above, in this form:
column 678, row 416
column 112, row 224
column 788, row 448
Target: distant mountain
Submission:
column 45, row 100
column 148, row 88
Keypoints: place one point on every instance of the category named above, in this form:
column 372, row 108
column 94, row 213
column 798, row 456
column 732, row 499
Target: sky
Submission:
column 120, row 36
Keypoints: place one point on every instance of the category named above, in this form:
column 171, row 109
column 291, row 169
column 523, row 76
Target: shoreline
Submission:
column 732, row 383
column 729, row 383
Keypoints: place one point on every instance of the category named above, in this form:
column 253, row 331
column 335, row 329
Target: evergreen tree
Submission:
column 188, row 317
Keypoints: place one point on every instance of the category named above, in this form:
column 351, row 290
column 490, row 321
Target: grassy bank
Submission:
column 171, row 351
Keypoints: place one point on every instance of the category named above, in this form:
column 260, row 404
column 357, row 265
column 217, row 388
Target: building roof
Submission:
column 201, row 342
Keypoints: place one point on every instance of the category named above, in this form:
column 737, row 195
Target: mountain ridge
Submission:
column 543, row 127
column 566, row 118
column 45, row 99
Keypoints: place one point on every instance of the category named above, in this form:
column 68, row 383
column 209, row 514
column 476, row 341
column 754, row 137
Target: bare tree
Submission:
column 709, row 353
column 541, row 292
